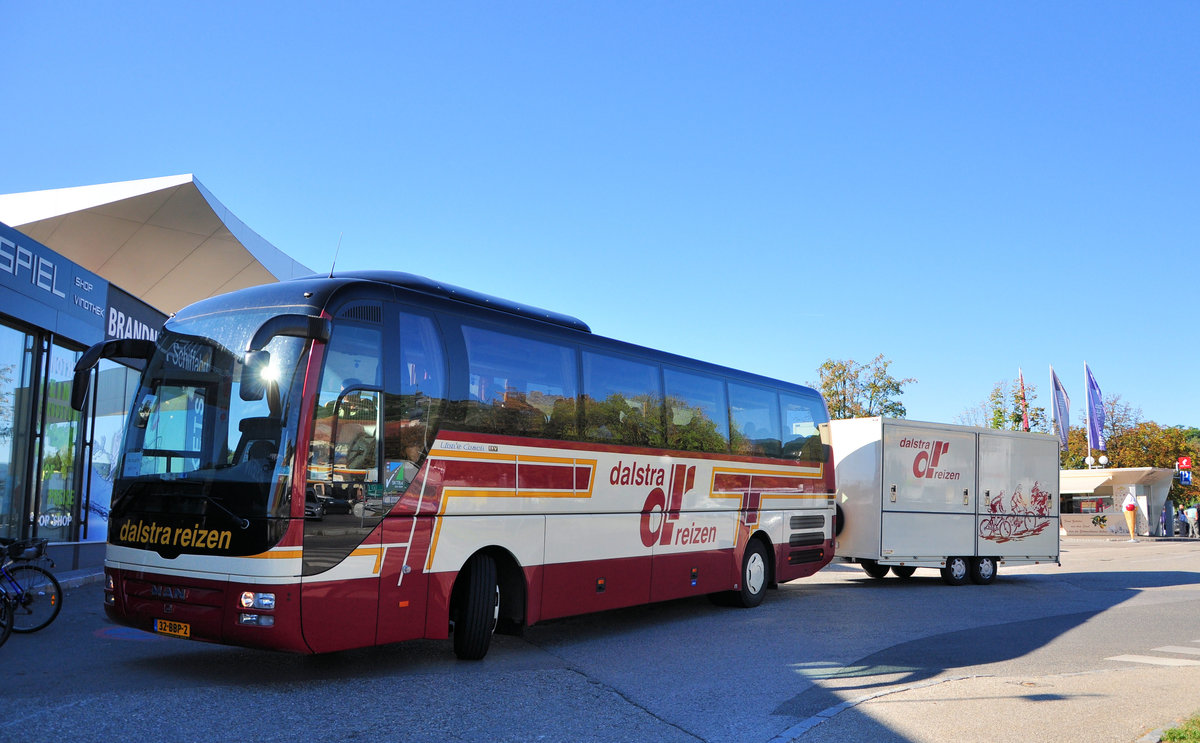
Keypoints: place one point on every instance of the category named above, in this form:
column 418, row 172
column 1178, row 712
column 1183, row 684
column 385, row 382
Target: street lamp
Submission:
column 1091, row 462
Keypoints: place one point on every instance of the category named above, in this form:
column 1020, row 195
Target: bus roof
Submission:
column 310, row 294
column 459, row 294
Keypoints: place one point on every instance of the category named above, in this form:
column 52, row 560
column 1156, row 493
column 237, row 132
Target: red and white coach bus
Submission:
column 332, row 463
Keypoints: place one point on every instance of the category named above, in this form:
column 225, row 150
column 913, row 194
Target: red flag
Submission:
column 1024, row 402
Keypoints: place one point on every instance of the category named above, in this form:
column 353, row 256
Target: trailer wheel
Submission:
column 983, row 570
column 755, row 575
column 903, row 572
column 873, row 568
column 479, row 610
column 956, row 571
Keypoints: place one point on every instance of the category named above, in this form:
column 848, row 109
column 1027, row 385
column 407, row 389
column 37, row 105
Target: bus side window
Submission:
column 697, row 414
column 622, row 401
column 411, row 418
column 755, row 414
column 519, row 385
column 352, row 362
column 356, row 447
column 802, row 417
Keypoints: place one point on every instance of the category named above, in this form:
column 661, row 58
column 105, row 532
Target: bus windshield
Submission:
column 204, row 470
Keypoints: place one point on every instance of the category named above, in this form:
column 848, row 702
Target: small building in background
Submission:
column 1091, row 500
column 79, row 266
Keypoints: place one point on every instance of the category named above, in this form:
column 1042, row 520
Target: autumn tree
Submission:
column 1120, row 416
column 854, row 390
column 1133, row 442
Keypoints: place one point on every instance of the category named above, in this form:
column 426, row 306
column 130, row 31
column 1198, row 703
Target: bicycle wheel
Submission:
column 5, row 617
column 40, row 598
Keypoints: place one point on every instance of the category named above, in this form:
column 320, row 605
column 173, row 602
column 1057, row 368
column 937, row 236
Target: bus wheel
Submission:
column 983, row 570
column 479, row 609
column 904, row 572
column 754, row 576
column 955, row 572
column 873, row 568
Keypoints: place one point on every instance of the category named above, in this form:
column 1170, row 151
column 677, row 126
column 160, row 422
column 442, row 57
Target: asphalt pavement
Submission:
column 1103, row 648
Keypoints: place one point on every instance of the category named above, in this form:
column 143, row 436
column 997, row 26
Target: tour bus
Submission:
column 346, row 461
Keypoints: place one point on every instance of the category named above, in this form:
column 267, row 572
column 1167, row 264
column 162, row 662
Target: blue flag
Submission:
column 1062, row 407
column 1095, row 406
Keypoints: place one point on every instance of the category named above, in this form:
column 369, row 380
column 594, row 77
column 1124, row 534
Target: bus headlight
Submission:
column 251, row 600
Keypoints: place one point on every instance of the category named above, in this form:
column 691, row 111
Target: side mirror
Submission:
column 129, row 348
column 79, row 387
column 254, row 385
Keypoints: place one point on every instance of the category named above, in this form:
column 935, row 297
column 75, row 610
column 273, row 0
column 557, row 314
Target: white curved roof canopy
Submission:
column 167, row 241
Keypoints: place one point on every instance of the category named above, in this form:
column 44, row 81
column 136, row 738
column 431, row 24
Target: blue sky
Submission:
column 964, row 188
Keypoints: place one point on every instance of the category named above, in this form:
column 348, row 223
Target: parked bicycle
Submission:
column 5, row 617
column 32, row 593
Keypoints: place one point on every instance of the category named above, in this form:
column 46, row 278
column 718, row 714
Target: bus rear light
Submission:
column 256, row 620
column 109, row 584
column 252, row 600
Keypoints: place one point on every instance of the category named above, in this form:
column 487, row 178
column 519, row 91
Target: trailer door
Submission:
column 928, row 492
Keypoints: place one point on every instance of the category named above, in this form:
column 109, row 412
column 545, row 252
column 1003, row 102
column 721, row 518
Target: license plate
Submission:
column 174, row 629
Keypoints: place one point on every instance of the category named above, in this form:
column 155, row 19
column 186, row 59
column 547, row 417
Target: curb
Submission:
column 78, row 578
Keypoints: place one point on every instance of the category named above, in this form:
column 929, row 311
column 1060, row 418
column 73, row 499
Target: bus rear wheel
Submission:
column 478, row 610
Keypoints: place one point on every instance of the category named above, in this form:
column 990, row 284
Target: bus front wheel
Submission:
column 478, row 610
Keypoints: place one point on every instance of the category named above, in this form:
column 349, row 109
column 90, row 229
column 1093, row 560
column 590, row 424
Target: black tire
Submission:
column 903, row 572
column 873, row 568
column 756, row 574
column 478, row 610
column 983, row 570
column 957, row 571
column 40, row 599
column 5, row 617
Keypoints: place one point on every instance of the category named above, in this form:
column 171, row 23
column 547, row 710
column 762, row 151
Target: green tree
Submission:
column 1003, row 409
column 854, row 390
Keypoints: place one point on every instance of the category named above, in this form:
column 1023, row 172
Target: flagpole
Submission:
column 1062, row 411
column 1087, row 425
column 1054, row 409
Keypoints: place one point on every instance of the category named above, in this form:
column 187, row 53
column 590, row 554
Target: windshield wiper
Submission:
column 241, row 522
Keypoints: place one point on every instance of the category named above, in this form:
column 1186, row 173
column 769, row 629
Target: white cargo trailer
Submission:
column 961, row 499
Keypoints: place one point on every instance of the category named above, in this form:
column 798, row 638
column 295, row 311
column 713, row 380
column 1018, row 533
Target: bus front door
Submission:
column 342, row 557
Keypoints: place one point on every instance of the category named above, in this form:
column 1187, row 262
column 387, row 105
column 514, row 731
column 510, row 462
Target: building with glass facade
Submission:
column 79, row 266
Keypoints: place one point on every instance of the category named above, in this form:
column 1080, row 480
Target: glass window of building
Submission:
column 16, row 369
column 58, row 501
